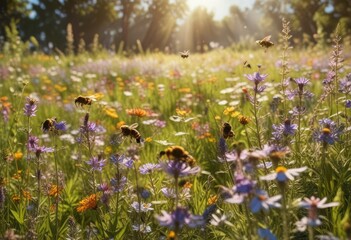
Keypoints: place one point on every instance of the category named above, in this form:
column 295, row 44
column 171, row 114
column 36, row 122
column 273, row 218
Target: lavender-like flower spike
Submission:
column 30, row 108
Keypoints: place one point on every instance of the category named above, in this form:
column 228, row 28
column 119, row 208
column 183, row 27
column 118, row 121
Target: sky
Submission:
column 220, row 8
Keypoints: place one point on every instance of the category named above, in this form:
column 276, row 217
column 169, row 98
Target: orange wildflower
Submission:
column 17, row 175
column 54, row 190
column 27, row 195
column 212, row 200
column 88, row 203
column 139, row 112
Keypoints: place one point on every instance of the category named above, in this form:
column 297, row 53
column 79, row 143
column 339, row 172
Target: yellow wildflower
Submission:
column 111, row 112
column 148, row 139
column 17, row 155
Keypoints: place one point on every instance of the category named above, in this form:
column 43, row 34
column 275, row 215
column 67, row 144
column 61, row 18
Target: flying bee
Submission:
column 184, row 54
column 246, row 64
column 265, row 42
column 178, row 153
column 81, row 100
column 227, row 130
column 48, row 124
column 131, row 132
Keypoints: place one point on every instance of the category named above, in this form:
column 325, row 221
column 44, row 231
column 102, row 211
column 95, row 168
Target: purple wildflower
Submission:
column 96, row 163
column 348, row 103
column 32, row 143
column 179, row 169
column 41, row 149
column 329, row 133
column 60, row 126
column 144, row 207
column 122, row 159
column 179, row 217
column 118, row 183
column 283, row 130
column 148, row 168
column 240, row 191
column 30, row 108
column 256, row 78
column 345, row 84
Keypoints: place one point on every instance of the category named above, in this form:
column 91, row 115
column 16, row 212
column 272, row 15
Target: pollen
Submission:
column 280, row 169
column 87, row 203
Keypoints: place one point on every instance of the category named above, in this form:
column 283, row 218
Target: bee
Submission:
column 227, row 130
column 178, row 153
column 246, row 64
column 81, row 100
column 48, row 124
column 184, row 54
column 265, row 42
column 131, row 132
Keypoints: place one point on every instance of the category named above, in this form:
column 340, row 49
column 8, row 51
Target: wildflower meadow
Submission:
column 226, row 144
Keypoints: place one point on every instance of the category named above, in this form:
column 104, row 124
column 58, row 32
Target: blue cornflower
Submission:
column 96, row 163
column 148, row 168
column 179, row 169
column 285, row 129
column 240, row 191
column 262, row 201
column 61, row 126
column 30, row 108
column 266, row 234
column 180, row 217
column 329, row 133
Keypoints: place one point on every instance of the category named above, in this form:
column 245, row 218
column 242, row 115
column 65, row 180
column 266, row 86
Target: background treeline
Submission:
column 165, row 25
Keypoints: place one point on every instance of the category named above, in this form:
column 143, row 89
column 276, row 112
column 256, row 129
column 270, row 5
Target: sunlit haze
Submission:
column 220, row 8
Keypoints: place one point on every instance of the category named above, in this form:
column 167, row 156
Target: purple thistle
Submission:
column 30, row 108
column 41, row 149
column 32, row 143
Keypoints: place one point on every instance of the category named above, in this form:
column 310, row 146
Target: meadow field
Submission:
column 228, row 144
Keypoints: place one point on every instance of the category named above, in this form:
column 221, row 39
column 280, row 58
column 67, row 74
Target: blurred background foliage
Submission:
column 166, row 25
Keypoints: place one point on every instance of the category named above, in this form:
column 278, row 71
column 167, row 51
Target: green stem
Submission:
column 284, row 211
column 255, row 105
column 310, row 233
column 57, row 186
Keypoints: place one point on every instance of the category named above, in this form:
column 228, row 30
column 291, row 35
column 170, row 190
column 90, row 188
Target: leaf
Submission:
column 19, row 217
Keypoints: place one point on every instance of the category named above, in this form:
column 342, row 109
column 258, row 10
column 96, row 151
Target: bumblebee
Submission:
column 81, row 100
column 265, row 42
column 178, row 153
column 227, row 131
column 48, row 124
column 184, row 54
column 131, row 132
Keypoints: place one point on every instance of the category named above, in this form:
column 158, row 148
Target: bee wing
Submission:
column 134, row 125
column 267, row 38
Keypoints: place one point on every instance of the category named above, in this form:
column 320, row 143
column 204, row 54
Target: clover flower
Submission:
column 178, row 218
column 283, row 174
column 262, row 201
